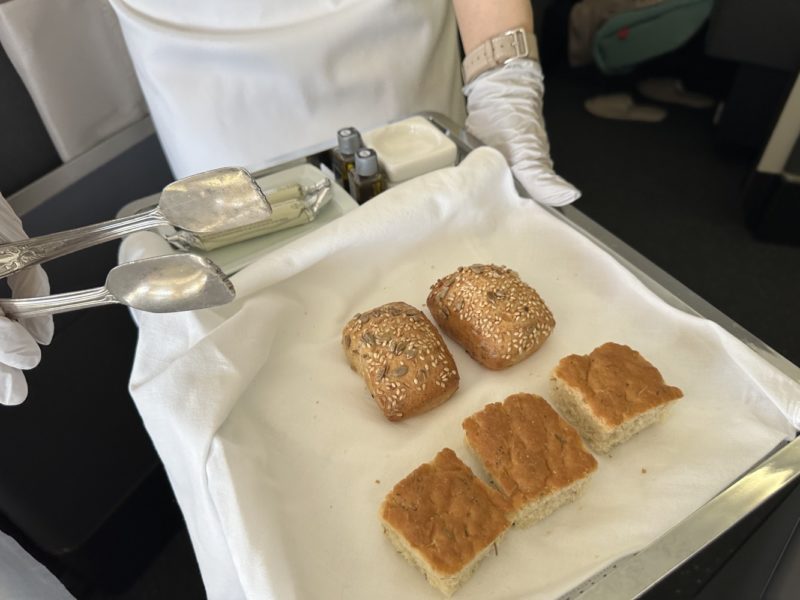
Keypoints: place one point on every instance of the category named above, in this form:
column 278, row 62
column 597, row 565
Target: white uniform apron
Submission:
column 243, row 81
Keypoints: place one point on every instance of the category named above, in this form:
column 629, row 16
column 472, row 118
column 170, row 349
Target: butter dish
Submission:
column 410, row 147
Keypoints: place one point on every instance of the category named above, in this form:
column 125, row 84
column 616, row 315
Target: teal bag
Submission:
column 631, row 37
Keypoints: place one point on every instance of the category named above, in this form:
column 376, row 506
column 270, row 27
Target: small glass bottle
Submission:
column 348, row 140
column 366, row 180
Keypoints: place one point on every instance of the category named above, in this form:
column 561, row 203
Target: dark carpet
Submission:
column 671, row 190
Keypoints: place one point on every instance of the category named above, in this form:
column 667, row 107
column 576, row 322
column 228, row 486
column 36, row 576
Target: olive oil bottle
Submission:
column 366, row 180
column 348, row 140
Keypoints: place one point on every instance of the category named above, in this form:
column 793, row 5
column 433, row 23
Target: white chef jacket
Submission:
column 243, row 81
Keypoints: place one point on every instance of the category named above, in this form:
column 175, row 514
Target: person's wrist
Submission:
column 497, row 51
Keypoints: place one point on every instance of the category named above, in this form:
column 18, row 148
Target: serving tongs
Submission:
column 207, row 210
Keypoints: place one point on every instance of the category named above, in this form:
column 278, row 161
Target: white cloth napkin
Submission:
column 279, row 458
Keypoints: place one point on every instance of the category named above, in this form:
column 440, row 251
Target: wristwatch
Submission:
column 513, row 44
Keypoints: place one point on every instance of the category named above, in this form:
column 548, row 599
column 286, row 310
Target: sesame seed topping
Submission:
column 491, row 303
column 396, row 349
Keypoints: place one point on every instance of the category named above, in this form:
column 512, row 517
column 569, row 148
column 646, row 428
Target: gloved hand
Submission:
column 18, row 340
column 504, row 110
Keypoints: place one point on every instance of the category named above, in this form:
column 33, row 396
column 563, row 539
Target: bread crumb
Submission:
column 644, row 470
column 377, row 481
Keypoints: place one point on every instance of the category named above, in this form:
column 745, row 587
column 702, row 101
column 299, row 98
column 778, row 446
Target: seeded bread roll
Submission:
column 444, row 520
column 494, row 315
column 611, row 394
column 533, row 456
column 403, row 359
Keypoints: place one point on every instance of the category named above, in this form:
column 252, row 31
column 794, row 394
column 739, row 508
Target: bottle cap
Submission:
column 349, row 140
column 366, row 162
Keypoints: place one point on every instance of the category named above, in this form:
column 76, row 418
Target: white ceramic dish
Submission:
column 237, row 256
column 410, row 148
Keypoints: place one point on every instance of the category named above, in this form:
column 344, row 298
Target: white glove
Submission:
column 504, row 110
column 18, row 340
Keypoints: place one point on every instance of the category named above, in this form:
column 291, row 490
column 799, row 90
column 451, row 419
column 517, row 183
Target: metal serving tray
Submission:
column 635, row 574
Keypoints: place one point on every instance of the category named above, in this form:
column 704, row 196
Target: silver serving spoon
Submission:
column 207, row 210
column 161, row 284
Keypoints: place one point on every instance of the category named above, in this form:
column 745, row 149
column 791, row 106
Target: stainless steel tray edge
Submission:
column 632, row 576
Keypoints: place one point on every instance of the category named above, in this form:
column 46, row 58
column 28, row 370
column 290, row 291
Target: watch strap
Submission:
column 513, row 44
